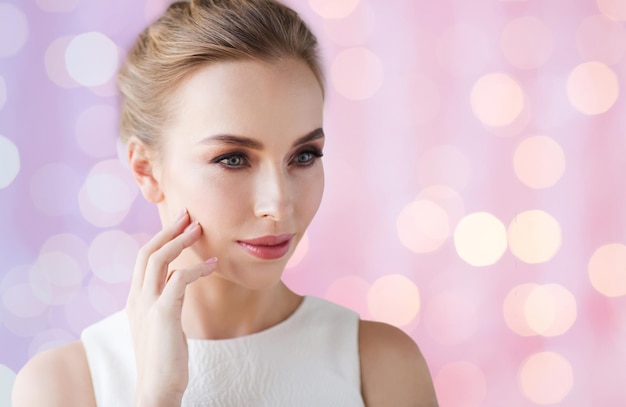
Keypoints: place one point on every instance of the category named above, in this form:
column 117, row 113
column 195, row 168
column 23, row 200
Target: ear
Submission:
column 142, row 161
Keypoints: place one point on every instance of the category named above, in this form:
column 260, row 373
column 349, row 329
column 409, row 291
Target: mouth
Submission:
column 268, row 247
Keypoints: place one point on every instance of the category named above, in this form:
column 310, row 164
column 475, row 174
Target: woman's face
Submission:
column 242, row 155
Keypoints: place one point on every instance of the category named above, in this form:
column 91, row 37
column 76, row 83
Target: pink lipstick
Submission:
column 268, row 247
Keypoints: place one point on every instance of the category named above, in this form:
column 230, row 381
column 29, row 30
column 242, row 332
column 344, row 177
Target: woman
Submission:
column 222, row 115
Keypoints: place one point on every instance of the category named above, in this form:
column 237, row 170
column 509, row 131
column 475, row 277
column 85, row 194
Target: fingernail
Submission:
column 191, row 227
column 212, row 260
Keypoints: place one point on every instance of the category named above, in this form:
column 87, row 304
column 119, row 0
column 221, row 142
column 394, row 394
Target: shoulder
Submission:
column 56, row 377
column 393, row 369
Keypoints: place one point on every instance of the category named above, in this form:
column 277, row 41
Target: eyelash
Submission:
column 314, row 153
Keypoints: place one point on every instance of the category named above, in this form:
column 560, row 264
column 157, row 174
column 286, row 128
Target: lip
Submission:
column 269, row 247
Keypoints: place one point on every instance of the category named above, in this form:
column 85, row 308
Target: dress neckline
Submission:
column 255, row 335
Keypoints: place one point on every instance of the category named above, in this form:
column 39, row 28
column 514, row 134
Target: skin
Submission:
column 212, row 192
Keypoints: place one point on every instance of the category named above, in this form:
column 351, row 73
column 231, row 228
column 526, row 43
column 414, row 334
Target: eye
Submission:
column 235, row 160
column 307, row 157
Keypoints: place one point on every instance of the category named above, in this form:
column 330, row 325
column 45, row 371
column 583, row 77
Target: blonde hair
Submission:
column 191, row 35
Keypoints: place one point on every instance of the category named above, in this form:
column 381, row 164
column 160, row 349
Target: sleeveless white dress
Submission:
column 309, row 360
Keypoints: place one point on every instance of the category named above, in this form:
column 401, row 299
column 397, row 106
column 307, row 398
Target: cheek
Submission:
column 310, row 193
column 212, row 199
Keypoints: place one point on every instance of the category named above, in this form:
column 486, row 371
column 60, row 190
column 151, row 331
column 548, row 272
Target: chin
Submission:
column 253, row 277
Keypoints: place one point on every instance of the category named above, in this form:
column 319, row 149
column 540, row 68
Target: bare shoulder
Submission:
column 393, row 369
column 56, row 377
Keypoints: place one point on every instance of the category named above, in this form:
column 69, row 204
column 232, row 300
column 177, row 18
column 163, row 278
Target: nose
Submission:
column 273, row 198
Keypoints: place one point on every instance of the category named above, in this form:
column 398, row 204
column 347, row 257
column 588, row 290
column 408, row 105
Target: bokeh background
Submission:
column 475, row 185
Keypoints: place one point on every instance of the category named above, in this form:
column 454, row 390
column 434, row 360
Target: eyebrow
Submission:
column 257, row 145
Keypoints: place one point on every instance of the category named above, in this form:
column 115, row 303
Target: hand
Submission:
column 154, row 309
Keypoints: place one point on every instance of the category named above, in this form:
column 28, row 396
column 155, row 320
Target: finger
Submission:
column 174, row 290
column 157, row 241
column 158, row 263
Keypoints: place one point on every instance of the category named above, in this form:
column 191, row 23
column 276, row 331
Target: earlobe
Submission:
column 141, row 159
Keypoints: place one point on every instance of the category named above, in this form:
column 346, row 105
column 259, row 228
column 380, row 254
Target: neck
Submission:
column 216, row 308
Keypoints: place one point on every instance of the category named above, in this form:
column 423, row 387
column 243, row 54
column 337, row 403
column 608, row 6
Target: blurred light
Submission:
column 68, row 243
column 534, row 236
column 514, row 309
column 351, row 292
column 49, row 339
column 102, row 299
column 333, row 8
column 107, row 89
column 13, row 30
column 527, row 42
column 7, row 378
column 96, row 131
column 461, row 384
column 444, row 164
column 450, row 317
column 480, row 239
column 394, row 299
column 550, row 310
column 9, row 162
column 301, row 250
column 601, row 39
column 91, row 59
column 80, row 313
column 57, row 6
column 20, row 300
column 592, row 88
column 447, row 199
column 59, row 269
column 546, row 378
column 55, row 277
column 107, row 195
column 24, row 327
column 353, row 30
column 423, row 226
column 357, row 73
column 607, row 270
column 539, row 162
column 613, row 9
column 463, row 50
column 3, row 92
column 497, row 99
column 54, row 189
column 112, row 256
column 54, row 61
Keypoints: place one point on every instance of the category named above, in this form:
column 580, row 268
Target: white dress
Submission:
column 309, row 360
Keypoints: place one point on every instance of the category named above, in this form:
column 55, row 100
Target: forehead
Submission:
column 249, row 98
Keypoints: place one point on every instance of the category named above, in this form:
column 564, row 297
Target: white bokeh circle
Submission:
column 423, row 226
column 112, row 256
column 13, row 30
column 480, row 239
column 91, row 59
column 107, row 194
column 534, row 236
column 9, row 162
column 7, row 378
column 357, row 73
column 497, row 99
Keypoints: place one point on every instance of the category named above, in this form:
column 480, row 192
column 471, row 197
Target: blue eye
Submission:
column 232, row 160
column 305, row 158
